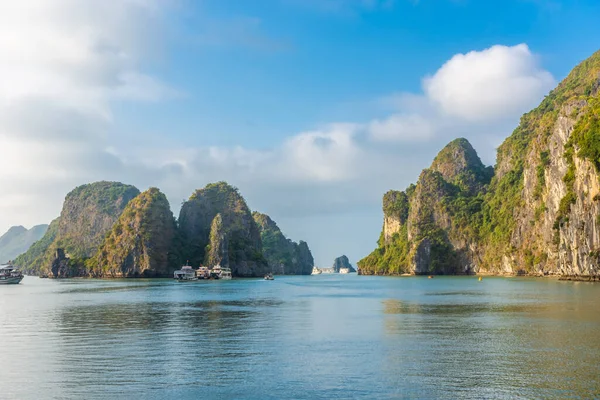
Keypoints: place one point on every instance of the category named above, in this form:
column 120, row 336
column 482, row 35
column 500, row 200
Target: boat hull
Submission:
column 186, row 279
column 12, row 280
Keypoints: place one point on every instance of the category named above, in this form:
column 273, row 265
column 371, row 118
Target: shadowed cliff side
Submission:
column 284, row 256
column 217, row 228
column 141, row 242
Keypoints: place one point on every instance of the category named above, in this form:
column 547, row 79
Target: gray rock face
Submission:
column 422, row 257
column 545, row 241
column 62, row 267
column 342, row 262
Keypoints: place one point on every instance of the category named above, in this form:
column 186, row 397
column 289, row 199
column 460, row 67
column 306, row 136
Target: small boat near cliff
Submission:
column 186, row 273
column 316, row 271
column 269, row 277
column 344, row 270
column 9, row 275
column 215, row 272
column 225, row 273
column 203, row 273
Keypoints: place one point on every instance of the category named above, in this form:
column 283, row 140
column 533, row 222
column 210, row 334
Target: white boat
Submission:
column 269, row 277
column 316, row 271
column 225, row 273
column 10, row 276
column 186, row 273
column 344, row 270
column 215, row 272
column 203, row 273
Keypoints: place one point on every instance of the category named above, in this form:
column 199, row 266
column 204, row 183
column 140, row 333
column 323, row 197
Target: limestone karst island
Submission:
column 535, row 213
column 111, row 230
column 299, row 199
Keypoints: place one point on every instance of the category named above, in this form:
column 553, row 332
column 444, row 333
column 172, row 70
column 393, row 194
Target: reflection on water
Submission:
column 300, row 337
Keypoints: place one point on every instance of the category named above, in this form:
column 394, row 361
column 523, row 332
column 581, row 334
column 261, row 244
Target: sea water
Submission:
column 300, row 337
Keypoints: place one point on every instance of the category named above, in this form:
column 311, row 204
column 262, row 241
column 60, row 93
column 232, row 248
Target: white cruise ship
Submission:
column 10, row 276
column 186, row 273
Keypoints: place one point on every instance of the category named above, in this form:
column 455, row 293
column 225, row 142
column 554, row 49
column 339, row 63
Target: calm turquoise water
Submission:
column 319, row 337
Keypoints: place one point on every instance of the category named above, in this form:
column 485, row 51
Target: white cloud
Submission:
column 479, row 95
column 322, row 156
column 62, row 63
column 76, row 54
column 491, row 84
column 402, row 127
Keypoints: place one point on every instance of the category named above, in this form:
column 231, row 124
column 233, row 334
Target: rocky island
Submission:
column 284, row 256
column 88, row 214
column 217, row 228
column 109, row 230
column 342, row 262
column 536, row 213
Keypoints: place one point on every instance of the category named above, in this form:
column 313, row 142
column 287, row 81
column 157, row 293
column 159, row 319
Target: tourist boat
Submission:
column 215, row 272
column 186, row 273
column 203, row 273
column 225, row 273
column 269, row 277
column 344, row 270
column 10, row 276
column 316, row 271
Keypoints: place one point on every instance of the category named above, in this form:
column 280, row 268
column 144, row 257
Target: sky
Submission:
column 312, row 108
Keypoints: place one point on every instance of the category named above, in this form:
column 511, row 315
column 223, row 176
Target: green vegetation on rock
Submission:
column 427, row 227
column 31, row 261
column 88, row 214
column 470, row 218
column 141, row 242
column 232, row 240
column 284, row 256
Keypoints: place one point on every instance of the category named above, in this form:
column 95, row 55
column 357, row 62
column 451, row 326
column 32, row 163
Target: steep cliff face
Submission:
column 17, row 240
column 539, row 214
column 218, row 228
column 426, row 227
column 88, row 214
column 342, row 262
column 284, row 256
column 547, row 186
column 140, row 242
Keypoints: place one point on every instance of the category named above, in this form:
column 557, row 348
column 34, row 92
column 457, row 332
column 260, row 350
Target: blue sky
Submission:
column 313, row 108
column 280, row 67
